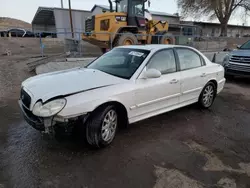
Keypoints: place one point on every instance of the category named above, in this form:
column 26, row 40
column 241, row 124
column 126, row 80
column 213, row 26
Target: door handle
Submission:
column 203, row 75
column 174, row 81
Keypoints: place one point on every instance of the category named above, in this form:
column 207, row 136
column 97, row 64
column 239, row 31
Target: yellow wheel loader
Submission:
column 129, row 24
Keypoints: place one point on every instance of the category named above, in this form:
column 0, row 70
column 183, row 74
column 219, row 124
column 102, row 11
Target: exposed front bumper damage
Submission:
column 50, row 124
column 34, row 121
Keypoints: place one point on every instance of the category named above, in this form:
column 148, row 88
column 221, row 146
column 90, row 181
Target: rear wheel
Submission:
column 102, row 126
column 167, row 39
column 126, row 38
column 207, row 95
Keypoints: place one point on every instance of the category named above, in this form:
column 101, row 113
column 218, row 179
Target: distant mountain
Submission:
column 6, row 23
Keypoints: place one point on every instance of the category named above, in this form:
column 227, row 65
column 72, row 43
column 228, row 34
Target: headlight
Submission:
column 226, row 59
column 49, row 109
column 121, row 18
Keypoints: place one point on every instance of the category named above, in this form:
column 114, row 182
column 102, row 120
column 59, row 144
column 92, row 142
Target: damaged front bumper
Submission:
column 48, row 125
column 31, row 119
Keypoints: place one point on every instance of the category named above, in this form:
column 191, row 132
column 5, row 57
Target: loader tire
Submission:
column 162, row 37
column 124, row 39
column 167, row 39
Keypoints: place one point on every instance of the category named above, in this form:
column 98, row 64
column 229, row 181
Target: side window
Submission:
column 188, row 59
column 164, row 61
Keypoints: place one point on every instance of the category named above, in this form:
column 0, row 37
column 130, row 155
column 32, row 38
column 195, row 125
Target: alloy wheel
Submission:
column 208, row 96
column 109, row 125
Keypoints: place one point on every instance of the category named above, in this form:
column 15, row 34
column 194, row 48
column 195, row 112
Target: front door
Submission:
column 192, row 74
column 157, row 94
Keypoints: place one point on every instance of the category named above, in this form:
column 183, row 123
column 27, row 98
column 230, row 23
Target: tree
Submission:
column 220, row 9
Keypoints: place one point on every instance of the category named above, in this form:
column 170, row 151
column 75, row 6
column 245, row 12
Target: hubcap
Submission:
column 167, row 41
column 109, row 125
column 208, row 96
column 128, row 42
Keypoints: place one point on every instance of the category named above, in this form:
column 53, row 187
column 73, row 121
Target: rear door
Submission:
column 193, row 74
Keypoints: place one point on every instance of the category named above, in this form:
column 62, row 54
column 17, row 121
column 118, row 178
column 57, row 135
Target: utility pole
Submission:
column 71, row 22
column 61, row 3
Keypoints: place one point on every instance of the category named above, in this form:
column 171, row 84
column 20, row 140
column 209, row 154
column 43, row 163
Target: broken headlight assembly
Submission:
column 49, row 109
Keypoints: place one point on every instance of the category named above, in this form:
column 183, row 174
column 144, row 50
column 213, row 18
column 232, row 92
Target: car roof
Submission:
column 152, row 46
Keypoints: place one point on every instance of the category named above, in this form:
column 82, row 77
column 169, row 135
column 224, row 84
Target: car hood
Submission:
column 47, row 86
column 239, row 52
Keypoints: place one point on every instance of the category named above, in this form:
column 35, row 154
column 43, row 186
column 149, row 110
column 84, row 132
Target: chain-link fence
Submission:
column 91, row 44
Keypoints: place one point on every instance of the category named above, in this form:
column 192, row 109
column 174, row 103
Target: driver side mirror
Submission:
column 238, row 46
column 151, row 73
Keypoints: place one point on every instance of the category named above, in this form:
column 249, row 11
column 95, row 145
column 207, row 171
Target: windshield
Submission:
column 122, row 6
column 246, row 45
column 138, row 7
column 120, row 62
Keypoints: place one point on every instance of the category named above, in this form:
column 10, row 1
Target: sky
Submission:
column 26, row 9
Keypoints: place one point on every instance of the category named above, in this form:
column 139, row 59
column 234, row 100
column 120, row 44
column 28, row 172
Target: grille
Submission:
column 90, row 24
column 26, row 99
column 240, row 59
column 239, row 67
column 237, row 72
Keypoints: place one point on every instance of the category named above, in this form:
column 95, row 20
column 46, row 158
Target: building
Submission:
column 209, row 29
column 170, row 18
column 57, row 20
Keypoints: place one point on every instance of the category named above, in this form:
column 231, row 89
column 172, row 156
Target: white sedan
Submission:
column 123, row 86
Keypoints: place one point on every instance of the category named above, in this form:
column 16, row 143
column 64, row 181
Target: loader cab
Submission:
column 135, row 11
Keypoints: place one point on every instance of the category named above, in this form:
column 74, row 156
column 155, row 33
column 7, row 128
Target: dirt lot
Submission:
column 186, row 148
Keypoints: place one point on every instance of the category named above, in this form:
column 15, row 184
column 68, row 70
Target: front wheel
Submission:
column 102, row 126
column 167, row 39
column 125, row 39
column 207, row 95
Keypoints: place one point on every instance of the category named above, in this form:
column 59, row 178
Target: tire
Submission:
column 97, row 135
column 208, row 102
column 127, row 38
column 167, row 39
column 161, row 37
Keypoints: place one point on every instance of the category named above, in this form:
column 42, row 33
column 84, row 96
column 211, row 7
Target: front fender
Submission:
column 75, row 109
column 85, row 102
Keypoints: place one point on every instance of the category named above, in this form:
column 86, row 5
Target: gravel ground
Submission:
column 185, row 148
